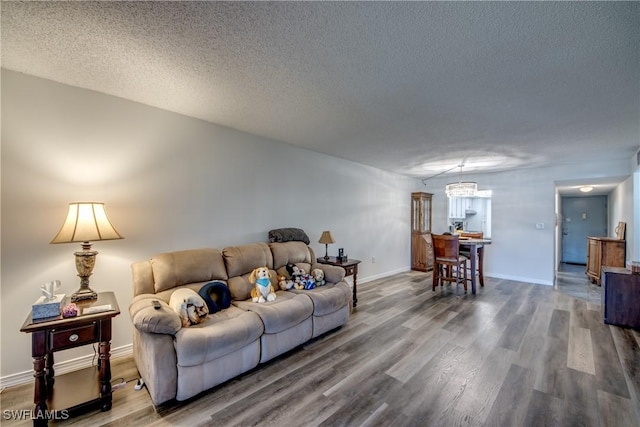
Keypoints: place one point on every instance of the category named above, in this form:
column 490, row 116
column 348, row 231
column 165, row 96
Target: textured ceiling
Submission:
column 414, row 88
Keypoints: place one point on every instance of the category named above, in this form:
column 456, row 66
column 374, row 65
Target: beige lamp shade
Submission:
column 86, row 222
column 326, row 238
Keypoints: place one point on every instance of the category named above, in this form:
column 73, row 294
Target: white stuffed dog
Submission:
column 263, row 290
column 189, row 305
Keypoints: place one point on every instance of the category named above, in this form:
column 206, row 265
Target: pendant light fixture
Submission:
column 460, row 188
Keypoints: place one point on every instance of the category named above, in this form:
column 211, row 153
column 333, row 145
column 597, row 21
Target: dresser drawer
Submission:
column 73, row 337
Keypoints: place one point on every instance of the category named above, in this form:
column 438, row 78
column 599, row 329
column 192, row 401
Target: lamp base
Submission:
column 83, row 294
column 85, row 260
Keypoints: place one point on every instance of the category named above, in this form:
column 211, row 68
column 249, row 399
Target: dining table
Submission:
column 476, row 252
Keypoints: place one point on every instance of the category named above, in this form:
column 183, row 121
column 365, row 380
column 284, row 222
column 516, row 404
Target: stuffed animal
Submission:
column 190, row 306
column 285, row 283
column 308, row 281
column 263, row 290
column 296, row 275
column 318, row 275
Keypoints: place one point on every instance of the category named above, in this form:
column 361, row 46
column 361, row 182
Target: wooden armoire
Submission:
column 421, row 244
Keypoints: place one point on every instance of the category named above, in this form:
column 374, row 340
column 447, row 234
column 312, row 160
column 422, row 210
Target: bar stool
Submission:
column 446, row 251
column 466, row 252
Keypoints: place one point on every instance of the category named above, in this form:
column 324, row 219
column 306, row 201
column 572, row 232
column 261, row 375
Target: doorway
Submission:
column 581, row 217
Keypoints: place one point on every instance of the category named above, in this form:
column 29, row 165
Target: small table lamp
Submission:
column 326, row 238
column 86, row 222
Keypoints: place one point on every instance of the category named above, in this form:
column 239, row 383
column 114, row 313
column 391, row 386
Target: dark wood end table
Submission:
column 89, row 386
column 350, row 268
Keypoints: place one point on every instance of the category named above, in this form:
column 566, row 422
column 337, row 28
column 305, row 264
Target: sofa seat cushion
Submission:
column 222, row 333
column 287, row 311
column 327, row 299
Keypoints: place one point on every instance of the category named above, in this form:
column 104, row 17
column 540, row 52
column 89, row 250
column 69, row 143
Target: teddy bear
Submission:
column 263, row 290
column 285, row 283
column 318, row 275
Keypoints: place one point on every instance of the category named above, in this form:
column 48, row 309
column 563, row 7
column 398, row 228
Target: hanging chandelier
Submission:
column 460, row 188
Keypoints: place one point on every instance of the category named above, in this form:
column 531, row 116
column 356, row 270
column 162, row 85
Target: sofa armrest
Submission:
column 332, row 273
column 146, row 318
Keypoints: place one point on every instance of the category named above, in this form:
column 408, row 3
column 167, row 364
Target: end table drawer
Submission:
column 69, row 338
column 349, row 270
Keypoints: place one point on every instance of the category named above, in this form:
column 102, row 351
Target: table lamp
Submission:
column 86, row 222
column 325, row 239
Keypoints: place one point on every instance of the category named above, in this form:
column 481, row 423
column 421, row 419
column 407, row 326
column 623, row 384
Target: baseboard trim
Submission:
column 64, row 367
column 519, row 279
column 383, row 275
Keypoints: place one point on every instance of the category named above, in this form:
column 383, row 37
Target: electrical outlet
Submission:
column 373, row 260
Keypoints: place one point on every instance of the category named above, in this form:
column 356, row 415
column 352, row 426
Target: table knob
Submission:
column 73, row 338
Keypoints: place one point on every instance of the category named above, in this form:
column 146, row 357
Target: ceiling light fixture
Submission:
column 461, row 189
column 586, row 188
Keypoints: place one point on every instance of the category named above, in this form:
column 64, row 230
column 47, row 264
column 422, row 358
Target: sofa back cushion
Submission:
column 183, row 267
column 290, row 252
column 297, row 253
column 240, row 262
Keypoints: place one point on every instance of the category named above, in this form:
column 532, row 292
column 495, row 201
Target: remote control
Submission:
column 156, row 304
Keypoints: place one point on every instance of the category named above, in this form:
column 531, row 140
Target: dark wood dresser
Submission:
column 620, row 297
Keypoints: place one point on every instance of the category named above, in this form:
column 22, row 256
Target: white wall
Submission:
column 169, row 182
column 520, row 200
column 621, row 209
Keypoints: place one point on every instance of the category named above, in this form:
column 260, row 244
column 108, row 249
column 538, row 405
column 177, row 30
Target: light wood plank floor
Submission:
column 515, row 354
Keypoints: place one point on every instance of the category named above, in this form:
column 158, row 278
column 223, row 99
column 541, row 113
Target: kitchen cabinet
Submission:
column 457, row 207
column 604, row 251
column 421, row 244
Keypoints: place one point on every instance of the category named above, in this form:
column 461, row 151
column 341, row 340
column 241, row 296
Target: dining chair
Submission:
column 467, row 252
column 446, row 254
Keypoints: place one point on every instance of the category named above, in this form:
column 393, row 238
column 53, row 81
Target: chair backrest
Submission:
column 472, row 234
column 445, row 246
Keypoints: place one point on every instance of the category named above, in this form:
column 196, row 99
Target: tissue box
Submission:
column 43, row 309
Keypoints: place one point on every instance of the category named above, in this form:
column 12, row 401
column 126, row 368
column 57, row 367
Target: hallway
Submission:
column 572, row 280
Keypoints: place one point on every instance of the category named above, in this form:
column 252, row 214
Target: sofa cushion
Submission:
column 222, row 333
column 179, row 268
column 243, row 259
column 332, row 273
column 287, row 311
column 146, row 318
column 290, row 252
column 327, row 299
column 240, row 286
column 240, row 262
